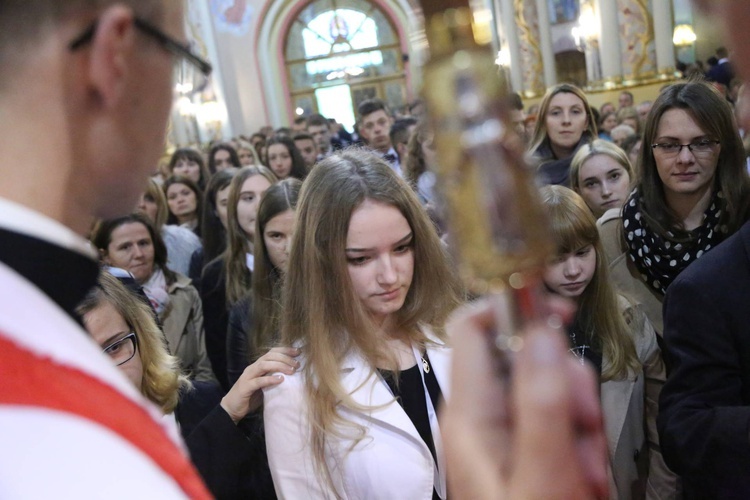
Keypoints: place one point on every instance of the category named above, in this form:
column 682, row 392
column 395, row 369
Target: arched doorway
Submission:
column 340, row 52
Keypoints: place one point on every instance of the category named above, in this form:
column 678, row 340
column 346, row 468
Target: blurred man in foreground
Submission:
column 85, row 92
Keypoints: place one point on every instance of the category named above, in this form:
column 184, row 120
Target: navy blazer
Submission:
column 704, row 417
column 721, row 73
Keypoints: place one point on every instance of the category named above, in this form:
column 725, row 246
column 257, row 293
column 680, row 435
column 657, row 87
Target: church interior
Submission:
column 276, row 60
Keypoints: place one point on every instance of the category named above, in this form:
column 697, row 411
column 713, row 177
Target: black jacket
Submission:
column 232, row 458
column 239, row 333
column 704, row 410
column 215, row 314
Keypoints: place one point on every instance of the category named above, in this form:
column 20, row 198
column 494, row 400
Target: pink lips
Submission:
column 390, row 295
column 686, row 175
column 573, row 286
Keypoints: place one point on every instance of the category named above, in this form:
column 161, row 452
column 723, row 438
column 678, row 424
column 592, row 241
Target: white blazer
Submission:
column 391, row 462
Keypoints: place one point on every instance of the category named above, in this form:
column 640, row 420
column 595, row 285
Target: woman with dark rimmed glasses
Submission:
column 123, row 325
column 693, row 193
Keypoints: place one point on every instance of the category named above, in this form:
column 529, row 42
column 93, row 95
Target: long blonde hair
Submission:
column 235, row 261
column 322, row 312
column 162, row 379
column 155, row 193
column 599, row 147
column 573, row 226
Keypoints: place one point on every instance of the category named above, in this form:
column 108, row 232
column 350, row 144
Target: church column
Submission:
column 545, row 42
column 511, row 43
column 609, row 46
column 663, row 28
column 527, row 31
column 211, row 114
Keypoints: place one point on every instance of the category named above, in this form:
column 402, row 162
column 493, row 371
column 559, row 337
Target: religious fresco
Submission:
column 636, row 38
column 527, row 25
column 196, row 30
column 232, row 16
column 563, row 11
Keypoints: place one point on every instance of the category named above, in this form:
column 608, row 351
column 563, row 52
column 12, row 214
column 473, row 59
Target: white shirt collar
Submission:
column 396, row 164
column 20, row 219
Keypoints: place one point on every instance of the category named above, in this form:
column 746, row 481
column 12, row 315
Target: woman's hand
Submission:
column 544, row 439
column 245, row 395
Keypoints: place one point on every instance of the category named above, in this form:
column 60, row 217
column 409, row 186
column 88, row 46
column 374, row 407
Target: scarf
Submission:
column 660, row 260
column 552, row 170
column 156, row 291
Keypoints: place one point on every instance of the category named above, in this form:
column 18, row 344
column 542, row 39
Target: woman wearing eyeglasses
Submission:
column 223, row 450
column 693, row 193
column 112, row 315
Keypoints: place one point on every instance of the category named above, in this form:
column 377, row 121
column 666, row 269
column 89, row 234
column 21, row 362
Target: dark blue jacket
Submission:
column 704, row 410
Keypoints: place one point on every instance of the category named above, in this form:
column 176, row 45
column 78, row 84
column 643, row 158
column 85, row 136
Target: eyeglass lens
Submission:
column 121, row 351
column 187, row 78
column 697, row 148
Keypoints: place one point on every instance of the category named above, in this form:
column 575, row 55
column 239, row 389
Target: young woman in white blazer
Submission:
column 367, row 293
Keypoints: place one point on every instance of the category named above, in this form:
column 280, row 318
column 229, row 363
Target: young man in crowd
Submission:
column 307, row 146
column 320, row 130
column 626, row 99
column 517, row 116
column 375, row 123
column 95, row 80
column 400, row 134
column 722, row 72
column 644, row 109
column 299, row 125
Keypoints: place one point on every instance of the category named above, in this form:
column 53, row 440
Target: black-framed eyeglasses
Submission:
column 698, row 148
column 121, row 351
column 191, row 71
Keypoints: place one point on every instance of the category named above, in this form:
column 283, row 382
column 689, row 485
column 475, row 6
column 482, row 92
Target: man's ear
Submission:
column 112, row 48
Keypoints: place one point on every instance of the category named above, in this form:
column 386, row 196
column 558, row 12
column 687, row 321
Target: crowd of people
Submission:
column 330, row 252
column 286, row 304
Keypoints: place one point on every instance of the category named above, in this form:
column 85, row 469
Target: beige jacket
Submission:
column 623, row 272
column 183, row 327
column 630, row 408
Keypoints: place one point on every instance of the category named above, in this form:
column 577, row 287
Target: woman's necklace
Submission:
column 579, row 351
column 425, row 363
